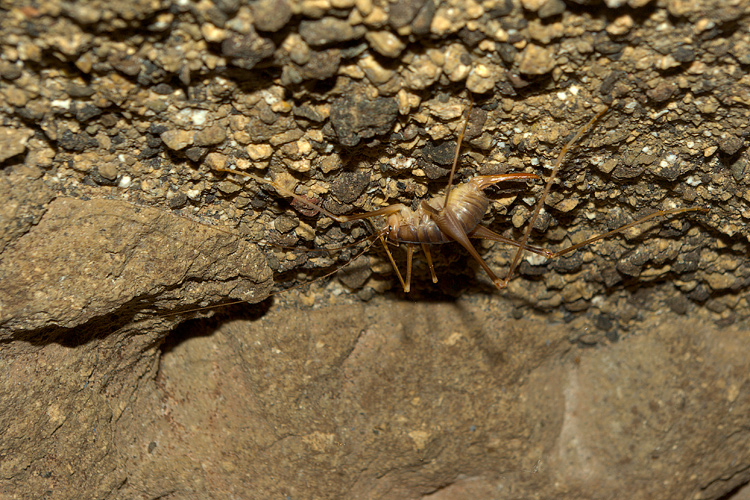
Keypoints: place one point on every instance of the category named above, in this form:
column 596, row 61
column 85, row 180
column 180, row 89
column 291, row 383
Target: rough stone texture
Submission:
column 620, row 367
column 53, row 276
column 338, row 407
column 13, row 142
column 357, row 115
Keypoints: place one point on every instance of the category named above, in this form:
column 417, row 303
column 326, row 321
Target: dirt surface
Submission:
column 621, row 367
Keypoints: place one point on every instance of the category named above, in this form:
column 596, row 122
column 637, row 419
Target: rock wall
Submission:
column 619, row 367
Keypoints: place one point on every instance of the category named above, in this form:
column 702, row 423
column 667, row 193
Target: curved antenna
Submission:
column 458, row 151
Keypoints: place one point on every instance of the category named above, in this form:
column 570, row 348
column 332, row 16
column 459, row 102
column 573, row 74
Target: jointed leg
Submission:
column 285, row 192
column 660, row 213
column 481, row 232
column 547, row 188
column 409, row 259
column 484, row 233
column 391, row 209
column 428, row 256
column 404, row 284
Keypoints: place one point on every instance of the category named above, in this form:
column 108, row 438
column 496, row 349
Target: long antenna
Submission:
column 458, row 151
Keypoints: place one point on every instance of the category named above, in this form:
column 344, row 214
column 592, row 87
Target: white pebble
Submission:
column 693, row 181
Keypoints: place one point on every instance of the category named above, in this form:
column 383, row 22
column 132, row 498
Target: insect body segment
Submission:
column 433, row 223
column 456, row 219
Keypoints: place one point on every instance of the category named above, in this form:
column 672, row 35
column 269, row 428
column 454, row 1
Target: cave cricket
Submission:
column 455, row 216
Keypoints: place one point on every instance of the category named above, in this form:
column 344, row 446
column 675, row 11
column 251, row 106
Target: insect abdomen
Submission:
column 468, row 205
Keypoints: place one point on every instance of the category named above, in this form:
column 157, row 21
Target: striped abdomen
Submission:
column 468, row 204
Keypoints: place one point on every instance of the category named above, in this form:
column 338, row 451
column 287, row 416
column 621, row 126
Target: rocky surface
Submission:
column 617, row 368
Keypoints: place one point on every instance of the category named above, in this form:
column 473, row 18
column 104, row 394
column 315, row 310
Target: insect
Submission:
column 455, row 216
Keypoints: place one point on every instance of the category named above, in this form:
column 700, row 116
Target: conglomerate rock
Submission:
column 618, row 370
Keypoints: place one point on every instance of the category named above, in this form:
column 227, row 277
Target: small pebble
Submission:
column 177, row 139
column 216, row 161
column 229, row 187
column 215, row 134
column 457, row 62
column 108, row 171
column 376, row 73
column 176, row 200
column 329, row 30
column 259, row 151
column 536, row 60
column 284, row 224
column 385, row 43
column 13, row 141
column 421, row 73
column 195, row 153
column 731, row 145
column 270, row 15
column 481, row 79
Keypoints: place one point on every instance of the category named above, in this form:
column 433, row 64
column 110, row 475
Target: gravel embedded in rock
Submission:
column 536, row 60
column 321, row 64
column 195, row 153
column 215, row 134
column 9, row 71
column 604, row 45
column 501, row 9
column 229, row 187
column 307, row 111
column 13, row 141
column 422, row 22
column 284, row 224
column 631, row 263
column 441, row 154
column 355, row 117
column 16, row 97
column 75, row 141
column 330, row 163
column 131, row 66
column 177, row 139
column 80, row 91
column 216, row 161
column 730, row 145
column 481, row 79
column 533, row 5
column 376, row 73
column 355, row 275
column 108, row 171
column 245, row 51
column 457, row 62
column 626, row 170
column 349, row 186
column 87, row 112
column 329, row 30
column 421, row 73
column 177, row 200
column 403, row 12
column 720, row 281
column 270, row 15
column 551, row 8
column 663, row 92
column 162, row 89
column 385, row 43
column 259, row 151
